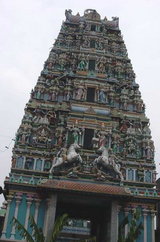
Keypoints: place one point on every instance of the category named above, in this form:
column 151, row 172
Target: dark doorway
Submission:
column 92, row 65
column 97, row 217
column 88, row 135
column 90, row 94
column 93, row 27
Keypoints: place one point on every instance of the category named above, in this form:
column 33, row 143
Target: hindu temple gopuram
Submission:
column 84, row 145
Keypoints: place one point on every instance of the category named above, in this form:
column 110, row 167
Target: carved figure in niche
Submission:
column 86, row 43
column 62, row 60
column 44, row 120
column 80, row 93
column 76, row 135
column 99, row 45
column 140, row 173
column 124, row 126
column 131, row 148
column 111, row 95
column 102, row 98
column 42, row 136
column 125, row 105
column 115, row 146
column 29, row 163
column 38, row 93
column 139, row 106
column 146, row 130
column 148, row 176
column 71, row 157
column 61, row 120
column 67, row 96
column 27, row 116
column 100, row 139
column 131, row 129
column 149, row 150
column 83, row 63
column 51, row 117
column 101, row 65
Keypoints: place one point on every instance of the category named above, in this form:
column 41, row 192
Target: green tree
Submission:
column 37, row 233
column 135, row 228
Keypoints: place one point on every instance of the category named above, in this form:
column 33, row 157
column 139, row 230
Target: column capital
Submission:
column 145, row 212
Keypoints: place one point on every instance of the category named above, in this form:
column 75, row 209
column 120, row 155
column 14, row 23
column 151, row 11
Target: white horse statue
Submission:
column 103, row 159
column 107, row 161
column 116, row 166
column 65, row 156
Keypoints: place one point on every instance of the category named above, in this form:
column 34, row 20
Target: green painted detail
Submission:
column 32, row 181
column 41, row 214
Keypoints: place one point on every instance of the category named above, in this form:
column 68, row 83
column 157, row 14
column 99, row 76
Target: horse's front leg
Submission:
column 51, row 170
column 95, row 162
column 80, row 159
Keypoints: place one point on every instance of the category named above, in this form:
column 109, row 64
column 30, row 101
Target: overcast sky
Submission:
column 28, row 30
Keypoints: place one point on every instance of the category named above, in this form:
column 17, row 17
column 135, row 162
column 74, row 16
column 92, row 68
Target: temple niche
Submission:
column 84, row 146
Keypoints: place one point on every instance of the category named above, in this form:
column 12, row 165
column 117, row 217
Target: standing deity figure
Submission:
column 149, row 150
column 131, row 148
column 102, row 138
column 102, row 65
column 79, row 93
column 102, row 96
column 83, row 63
column 76, row 135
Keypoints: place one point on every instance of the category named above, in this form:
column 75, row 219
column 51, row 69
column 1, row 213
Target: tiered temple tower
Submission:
column 84, row 146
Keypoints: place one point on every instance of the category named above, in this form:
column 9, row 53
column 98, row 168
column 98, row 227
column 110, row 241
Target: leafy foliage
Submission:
column 58, row 226
column 37, row 233
column 21, row 229
column 135, row 228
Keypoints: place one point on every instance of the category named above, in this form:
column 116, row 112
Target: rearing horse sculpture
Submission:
column 70, row 157
column 107, row 161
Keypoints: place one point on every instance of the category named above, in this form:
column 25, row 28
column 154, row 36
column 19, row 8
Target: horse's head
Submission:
column 76, row 146
column 101, row 150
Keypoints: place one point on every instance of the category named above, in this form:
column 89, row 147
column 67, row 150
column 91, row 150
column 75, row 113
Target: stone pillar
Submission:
column 126, row 212
column 18, row 200
column 114, row 222
column 9, row 199
column 126, row 174
column 37, row 202
column 42, row 168
column 152, row 228
column 50, row 216
column 145, row 224
column 29, row 202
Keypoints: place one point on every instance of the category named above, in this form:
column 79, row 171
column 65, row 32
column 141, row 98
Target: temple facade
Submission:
column 84, row 145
